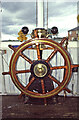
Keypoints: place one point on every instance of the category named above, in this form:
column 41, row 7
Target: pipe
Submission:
column 47, row 14
column 36, row 13
column 40, row 14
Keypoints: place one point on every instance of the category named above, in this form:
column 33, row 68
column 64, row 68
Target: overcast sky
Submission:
column 15, row 15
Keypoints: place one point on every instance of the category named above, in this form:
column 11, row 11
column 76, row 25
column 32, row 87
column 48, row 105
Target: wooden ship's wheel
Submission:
column 41, row 79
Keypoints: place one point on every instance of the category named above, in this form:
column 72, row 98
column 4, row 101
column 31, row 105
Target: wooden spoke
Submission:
column 38, row 51
column 43, row 90
column 51, row 55
column 31, row 81
column 53, row 79
column 55, row 51
column 5, row 73
column 58, row 67
column 73, row 66
column 20, row 96
column 26, row 58
column 42, row 84
column 69, row 91
column 63, row 40
column 56, row 81
column 10, row 46
column 22, row 71
column 45, row 102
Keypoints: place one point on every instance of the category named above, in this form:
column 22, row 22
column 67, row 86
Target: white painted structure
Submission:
column 6, row 84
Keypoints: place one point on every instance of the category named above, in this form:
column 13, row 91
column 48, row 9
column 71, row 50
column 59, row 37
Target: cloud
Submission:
column 19, row 12
column 61, row 9
column 63, row 23
column 19, row 0
column 40, row 0
column 11, row 32
column 8, row 37
column 64, row 16
column 15, row 15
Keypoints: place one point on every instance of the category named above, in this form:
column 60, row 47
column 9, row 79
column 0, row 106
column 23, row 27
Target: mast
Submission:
column 40, row 23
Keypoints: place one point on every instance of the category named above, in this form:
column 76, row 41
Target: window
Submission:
column 70, row 32
column 76, row 32
column 72, row 38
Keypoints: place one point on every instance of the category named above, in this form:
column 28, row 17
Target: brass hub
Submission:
column 40, row 70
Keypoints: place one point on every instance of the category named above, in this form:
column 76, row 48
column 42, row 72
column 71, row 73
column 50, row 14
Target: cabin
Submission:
column 73, row 34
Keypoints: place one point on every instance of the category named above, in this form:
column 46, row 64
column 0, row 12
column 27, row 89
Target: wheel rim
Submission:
column 57, row 47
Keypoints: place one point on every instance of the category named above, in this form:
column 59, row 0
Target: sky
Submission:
column 15, row 15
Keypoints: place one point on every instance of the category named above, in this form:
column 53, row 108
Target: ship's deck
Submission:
column 13, row 108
